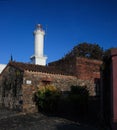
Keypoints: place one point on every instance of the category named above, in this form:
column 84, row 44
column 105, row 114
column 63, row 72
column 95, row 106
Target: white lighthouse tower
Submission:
column 38, row 57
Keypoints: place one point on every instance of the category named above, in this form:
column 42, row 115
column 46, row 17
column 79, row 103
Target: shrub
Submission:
column 79, row 91
column 79, row 98
column 47, row 98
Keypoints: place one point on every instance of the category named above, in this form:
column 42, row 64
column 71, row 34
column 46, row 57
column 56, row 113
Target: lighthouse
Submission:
column 38, row 57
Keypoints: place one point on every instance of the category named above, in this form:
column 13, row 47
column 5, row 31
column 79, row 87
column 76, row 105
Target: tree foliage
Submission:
column 87, row 50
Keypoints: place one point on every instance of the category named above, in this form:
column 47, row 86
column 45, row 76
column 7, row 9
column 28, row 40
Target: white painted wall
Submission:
column 39, row 42
column 40, row 60
column 2, row 66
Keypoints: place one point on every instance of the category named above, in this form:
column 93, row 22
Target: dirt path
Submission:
column 10, row 120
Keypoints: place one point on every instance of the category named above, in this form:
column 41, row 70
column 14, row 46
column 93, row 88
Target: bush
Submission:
column 47, row 98
column 79, row 91
column 79, row 98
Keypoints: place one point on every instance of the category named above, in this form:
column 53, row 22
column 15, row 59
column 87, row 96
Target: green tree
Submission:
column 87, row 50
column 107, row 54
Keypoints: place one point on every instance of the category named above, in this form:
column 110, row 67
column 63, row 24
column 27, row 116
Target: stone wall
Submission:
column 83, row 68
column 10, row 87
column 87, row 69
column 67, row 65
column 33, row 80
column 17, row 87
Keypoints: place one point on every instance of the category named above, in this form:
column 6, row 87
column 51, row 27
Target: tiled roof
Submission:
column 36, row 68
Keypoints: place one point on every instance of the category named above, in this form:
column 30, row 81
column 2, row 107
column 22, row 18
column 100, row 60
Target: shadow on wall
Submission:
column 74, row 104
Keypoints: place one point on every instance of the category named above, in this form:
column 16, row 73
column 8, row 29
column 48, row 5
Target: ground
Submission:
column 11, row 120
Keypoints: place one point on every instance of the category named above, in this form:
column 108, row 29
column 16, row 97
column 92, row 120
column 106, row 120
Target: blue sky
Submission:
column 67, row 23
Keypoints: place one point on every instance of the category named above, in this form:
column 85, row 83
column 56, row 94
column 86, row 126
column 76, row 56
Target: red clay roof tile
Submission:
column 36, row 68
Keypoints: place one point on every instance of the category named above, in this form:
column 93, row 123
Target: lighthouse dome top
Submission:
column 39, row 27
